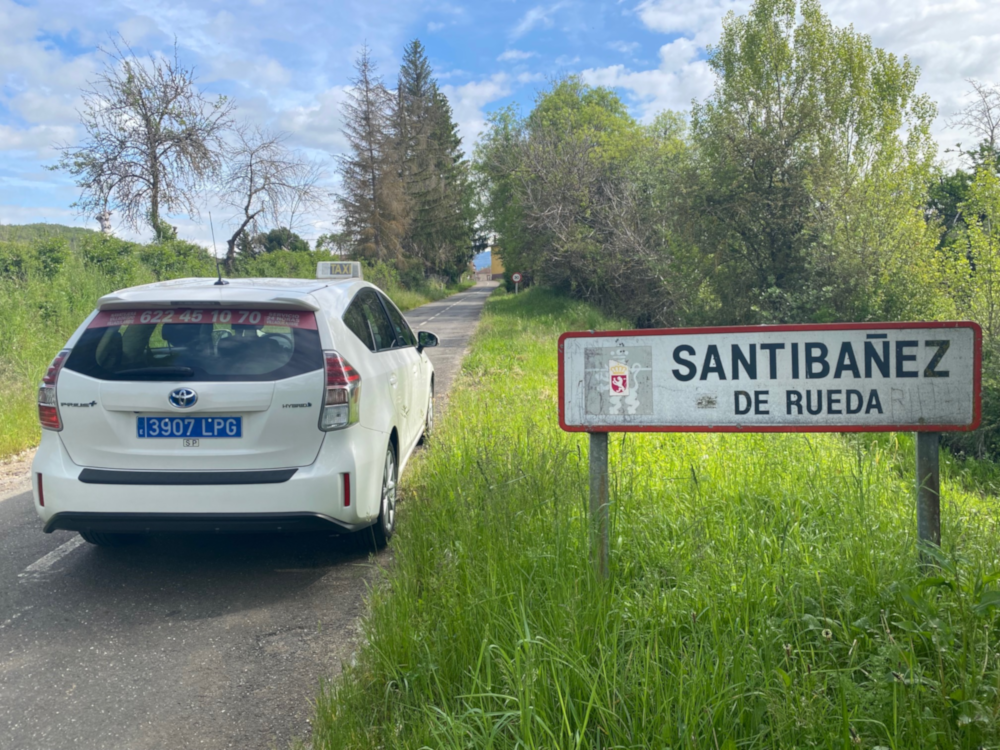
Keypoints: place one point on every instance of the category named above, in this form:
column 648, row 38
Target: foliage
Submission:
column 406, row 197
column 372, row 197
column 569, row 189
column 764, row 590
column 33, row 232
column 976, row 287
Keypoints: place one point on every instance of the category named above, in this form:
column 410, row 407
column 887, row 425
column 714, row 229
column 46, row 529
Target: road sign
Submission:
column 848, row 377
column 516, row 278
column 793, row 378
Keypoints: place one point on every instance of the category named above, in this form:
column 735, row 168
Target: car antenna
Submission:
column 215, row 252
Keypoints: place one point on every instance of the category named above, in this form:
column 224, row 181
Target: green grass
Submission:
column 764, row 591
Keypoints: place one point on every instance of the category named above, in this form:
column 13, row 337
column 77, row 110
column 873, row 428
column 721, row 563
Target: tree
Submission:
column 266, row 182
column 372, row 200
column 152, row 140
column 981, row 117
column 283, row 238
column 433, row 169
column 813, row 158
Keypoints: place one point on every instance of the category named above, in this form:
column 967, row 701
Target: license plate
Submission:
column 189, row 427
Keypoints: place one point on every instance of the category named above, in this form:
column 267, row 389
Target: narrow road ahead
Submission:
column 198, row 642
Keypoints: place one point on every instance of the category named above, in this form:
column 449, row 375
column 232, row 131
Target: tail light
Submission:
column 342, row 407
column 48, row 405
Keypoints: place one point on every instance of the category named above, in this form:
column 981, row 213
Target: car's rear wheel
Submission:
column 386, row 523
column 104, row 539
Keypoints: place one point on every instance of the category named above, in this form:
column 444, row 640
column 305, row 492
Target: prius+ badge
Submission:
column 182, row 398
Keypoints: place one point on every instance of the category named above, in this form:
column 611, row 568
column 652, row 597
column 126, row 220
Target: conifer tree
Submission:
column 432, row 169
column 372, row 199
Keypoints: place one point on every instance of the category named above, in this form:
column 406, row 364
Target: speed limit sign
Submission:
column 516, row 278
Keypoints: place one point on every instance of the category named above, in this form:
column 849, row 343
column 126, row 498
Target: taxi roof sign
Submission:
column 335, row 269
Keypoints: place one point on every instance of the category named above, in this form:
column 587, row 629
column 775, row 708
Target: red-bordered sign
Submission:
column 194, row 316
column 716, row 336
column 516, row 278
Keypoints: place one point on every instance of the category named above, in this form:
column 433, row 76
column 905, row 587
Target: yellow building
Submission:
column 496, row 265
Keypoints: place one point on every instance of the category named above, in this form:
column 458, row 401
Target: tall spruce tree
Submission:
column 433, row 171
column 372, row 199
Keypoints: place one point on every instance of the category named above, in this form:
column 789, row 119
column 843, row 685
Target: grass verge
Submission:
column 764, row 591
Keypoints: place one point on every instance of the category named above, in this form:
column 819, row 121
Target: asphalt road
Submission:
column 198, row 642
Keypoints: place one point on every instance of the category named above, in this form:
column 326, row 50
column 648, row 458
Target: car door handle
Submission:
column 393, row 380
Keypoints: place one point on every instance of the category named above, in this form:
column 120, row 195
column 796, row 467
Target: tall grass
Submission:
column 764, row 591
column 48, row 286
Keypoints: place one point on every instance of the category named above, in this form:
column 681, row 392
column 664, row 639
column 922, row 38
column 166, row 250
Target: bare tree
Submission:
column 981, row 116
column 152, row 139
column 372, row 201
column 266, row 182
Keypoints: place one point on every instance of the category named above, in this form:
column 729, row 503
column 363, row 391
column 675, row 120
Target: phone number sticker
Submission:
column 194, row 316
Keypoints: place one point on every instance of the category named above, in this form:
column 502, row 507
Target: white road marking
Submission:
column 43, row 564
column 440, row 313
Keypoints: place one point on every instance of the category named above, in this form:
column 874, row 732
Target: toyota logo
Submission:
column 182, row 398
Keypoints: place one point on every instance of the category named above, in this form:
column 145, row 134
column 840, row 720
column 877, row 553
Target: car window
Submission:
column 355, row 320
column 378, row 322
column 205, row 345
column 402, row 328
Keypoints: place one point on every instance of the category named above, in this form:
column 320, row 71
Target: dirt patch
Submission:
column 15, row 472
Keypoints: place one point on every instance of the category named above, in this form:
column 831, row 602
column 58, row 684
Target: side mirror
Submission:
column 426, row 339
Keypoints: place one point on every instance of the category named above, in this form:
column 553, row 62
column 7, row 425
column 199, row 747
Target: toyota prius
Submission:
column 247, row 405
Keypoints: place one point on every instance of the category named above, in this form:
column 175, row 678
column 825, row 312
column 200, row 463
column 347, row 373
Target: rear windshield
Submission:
column 204, row 345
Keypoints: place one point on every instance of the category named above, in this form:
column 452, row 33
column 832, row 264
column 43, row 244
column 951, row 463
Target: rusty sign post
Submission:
column 849, row 377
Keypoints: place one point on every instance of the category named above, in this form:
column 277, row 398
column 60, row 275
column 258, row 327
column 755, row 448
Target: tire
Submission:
column 429, row 419
column 386, row 523
column 103, row 539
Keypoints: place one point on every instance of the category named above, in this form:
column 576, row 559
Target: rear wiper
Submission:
column 156, row 372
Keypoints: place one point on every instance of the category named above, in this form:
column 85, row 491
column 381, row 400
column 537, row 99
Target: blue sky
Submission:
column 287, row 63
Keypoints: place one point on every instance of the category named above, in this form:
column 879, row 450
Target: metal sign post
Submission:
column 599, row 502
column 516, row 278
column 928, row 490
column 850, row 377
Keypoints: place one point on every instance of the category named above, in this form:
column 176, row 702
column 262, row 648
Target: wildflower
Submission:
column 827, row 633
column 788, row 650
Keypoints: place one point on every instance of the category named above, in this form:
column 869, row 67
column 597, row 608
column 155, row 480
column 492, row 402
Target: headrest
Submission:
column 182, row 334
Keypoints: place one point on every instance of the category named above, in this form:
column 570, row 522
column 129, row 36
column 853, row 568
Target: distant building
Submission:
column 496, row 264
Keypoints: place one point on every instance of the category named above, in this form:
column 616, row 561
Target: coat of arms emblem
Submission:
column 619, row 378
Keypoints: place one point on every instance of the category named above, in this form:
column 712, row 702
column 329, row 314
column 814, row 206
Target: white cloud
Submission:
column 37, row 139
column 626, row 48
column 136, row 28
column 515, row 55
column 540, row 15
column 950, row 40
column 433, row 26
column 564, row 60
column 318, row 124
column 467, row 103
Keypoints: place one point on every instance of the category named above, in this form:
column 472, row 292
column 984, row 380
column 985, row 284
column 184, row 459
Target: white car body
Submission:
column 101, row 473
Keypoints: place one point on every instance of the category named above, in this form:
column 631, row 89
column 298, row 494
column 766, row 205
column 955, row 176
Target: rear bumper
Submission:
column 302, row 498
column 211, row 523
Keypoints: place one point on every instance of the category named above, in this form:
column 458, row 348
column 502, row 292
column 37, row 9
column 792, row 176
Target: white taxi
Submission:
column 244, row 405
